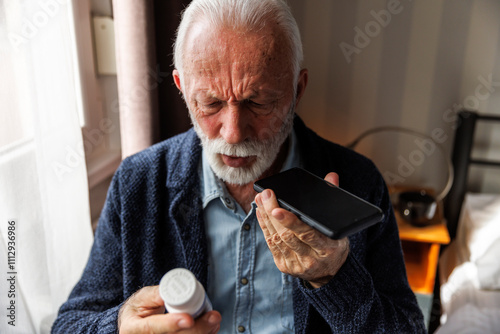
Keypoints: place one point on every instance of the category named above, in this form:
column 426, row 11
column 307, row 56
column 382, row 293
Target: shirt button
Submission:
column 241, row 329
column 246, row 227
column 228, row 203
column 244, row 281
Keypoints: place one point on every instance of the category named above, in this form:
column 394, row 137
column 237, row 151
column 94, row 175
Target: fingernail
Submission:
column 266, row 194
column 213, row 320
column 183, row 323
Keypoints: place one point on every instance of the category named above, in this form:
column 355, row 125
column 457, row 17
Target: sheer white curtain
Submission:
column 43, row 179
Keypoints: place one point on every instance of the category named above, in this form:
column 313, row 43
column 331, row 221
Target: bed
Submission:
column 469, row 267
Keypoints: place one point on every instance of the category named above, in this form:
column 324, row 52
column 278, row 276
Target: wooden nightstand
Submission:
column 421, row 247
column 421, row 250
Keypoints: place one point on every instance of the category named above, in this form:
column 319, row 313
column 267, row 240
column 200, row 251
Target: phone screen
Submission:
column 320, row 204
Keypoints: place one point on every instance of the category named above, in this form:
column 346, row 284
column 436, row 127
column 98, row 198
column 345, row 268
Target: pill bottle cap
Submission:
column 181, row 291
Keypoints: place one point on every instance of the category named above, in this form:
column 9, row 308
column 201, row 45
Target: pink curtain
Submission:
column 136, row 71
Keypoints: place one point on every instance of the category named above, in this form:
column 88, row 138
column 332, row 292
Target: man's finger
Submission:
column 174, row 322
column 149, row 295
column 292, row 245
column 264, row 214
column 279, row 218
column 144, row 302
column 166, row 323
column 332, row 178
column 286, row 220
column 268, row 236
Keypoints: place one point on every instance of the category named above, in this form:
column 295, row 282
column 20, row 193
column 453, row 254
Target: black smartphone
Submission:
column 320, row 204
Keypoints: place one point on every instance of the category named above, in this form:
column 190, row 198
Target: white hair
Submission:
column 251, row 15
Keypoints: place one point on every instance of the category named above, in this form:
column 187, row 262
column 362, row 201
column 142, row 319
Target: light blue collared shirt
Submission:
column 244, row 284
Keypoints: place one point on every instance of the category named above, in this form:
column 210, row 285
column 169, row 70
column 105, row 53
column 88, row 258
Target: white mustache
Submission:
column 242, row 150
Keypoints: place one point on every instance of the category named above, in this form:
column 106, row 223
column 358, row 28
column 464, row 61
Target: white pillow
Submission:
column 479, row 225
column 470, row 319
column 488, row 268
column 478, row 237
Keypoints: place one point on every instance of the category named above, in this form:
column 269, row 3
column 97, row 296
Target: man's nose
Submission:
column 235, row 125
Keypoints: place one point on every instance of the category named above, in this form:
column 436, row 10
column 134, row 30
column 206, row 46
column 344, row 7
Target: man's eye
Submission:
column 212, row 104
column 255, row 104
column 210, row 107
column 259, row 108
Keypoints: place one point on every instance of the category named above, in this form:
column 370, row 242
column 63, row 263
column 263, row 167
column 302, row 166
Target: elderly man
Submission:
column 179, row 204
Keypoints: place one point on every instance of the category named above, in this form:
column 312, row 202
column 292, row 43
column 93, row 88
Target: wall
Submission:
column 102, row 101
column 402, row 63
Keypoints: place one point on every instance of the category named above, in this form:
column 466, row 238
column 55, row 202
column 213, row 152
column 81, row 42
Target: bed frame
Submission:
column 462, row 160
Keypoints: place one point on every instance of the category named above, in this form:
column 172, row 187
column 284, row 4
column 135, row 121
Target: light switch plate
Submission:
column 104, row 39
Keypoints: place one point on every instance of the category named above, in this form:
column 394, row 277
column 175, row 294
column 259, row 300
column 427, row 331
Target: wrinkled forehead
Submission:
column 208, row 51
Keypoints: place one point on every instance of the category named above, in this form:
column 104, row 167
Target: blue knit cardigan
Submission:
column 152, row 222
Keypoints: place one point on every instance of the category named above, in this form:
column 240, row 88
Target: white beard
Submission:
column 264, row 151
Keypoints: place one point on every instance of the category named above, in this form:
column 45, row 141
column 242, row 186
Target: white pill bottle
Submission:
column 182, row 293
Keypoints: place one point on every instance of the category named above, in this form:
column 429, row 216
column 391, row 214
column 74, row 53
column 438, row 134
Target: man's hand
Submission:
column 298, row 249
column 144, row 311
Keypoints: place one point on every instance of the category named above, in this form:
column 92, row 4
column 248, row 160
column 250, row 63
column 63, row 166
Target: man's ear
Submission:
column 301, row 85
column 177, row 79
